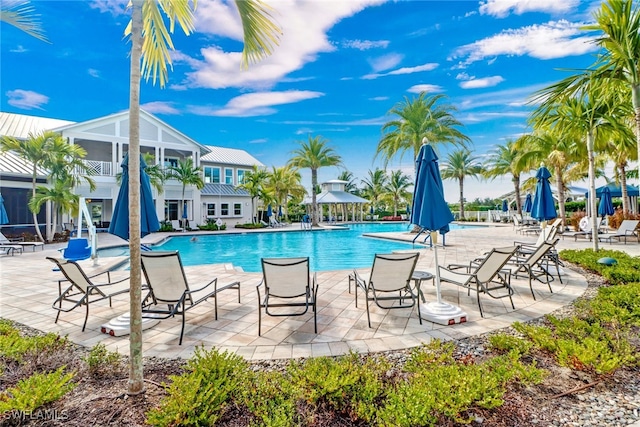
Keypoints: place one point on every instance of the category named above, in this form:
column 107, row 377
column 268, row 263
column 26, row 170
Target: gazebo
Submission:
column 334, row 196
column 616, row 191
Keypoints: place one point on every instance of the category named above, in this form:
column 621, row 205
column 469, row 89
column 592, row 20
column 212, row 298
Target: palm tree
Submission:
column 619, row 21
column 374, row 186
column 254, row 183
column 506, row 160
column 60, row 195
column 459, row 165
column 396, row 189
column 419, row 118
column 47, row 150
column 284, row 182
column 187, row 174
column 150, row 44
column 314, row 154
column 154, row 171
column 21, row 15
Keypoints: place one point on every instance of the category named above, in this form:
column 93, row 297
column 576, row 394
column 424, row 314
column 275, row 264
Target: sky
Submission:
column 339, row 67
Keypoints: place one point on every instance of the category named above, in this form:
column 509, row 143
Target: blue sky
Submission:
column 340, row 66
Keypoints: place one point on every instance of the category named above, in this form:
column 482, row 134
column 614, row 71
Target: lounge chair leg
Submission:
column 259, row 318
column 478, row 298
column 182, row 330
column 86, row 317
column 366, row 301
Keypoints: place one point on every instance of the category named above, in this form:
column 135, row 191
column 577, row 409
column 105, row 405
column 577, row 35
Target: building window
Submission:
column 211, row 175
column 170, row 162
column 224, row 209
column 237, row 209
column 241, row 176
column 171, row 210
column 211, row 209
column 228, row 176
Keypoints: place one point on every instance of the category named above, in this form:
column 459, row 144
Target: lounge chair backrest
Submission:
column 492, row 263
column 4, row 240
column 164, row 274
column 627, row 226
column 73, row 272
column 540, row 252
column 391, row 272
column 286, row 277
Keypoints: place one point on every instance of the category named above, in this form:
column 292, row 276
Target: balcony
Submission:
column 98, row 168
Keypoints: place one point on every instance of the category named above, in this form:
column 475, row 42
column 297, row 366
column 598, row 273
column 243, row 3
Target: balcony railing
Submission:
column 98, row 168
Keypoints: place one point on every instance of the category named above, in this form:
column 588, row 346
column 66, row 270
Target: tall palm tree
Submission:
column 396, row 189
column 459, row 165
column 619, row 22
column 314, row 154
column 187, row 174
column 374, row 186
column 285, row 182
column 506, row 160
column 47, row 150
column 419, row 118
column 254, row 183
column 60, row 195
column 150, row 45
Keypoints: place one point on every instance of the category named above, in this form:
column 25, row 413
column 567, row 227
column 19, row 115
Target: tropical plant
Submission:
column 187, row 174
column 459, row 165
column 150, row 44
column 506, row 160
column 60, row 195
column 314, row 154
column 419, row 118
column 396, row 189
column 374, row 187
column 254, row 184
column 285, row 182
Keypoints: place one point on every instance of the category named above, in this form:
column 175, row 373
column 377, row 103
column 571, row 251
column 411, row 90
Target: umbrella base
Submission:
column 442, row 313
column 120, row 325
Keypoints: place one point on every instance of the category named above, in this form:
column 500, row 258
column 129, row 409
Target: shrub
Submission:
column 505, row 343
column 272, row 399
column 627, row 269
column 616, row 219
column 36, row 390
column 101, row 361
column 13, row 346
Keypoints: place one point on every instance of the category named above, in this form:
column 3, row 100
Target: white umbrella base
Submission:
column 442, row 313
column 120, row 325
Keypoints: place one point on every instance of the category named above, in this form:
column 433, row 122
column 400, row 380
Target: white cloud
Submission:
column 365, row 44
column 93, row 72
column 19, row 49
column 425, row 88
column 513, row 97
column 502, row 8
column 259, row 141
column 379, row 98
column 481, row 83
column 159, row 107
column 404, row 70
column 304, row 28
column 114, row 7
column 26, row 99
column 385, row 62
column 464, row 76
column 555, row 39
column 256, row 104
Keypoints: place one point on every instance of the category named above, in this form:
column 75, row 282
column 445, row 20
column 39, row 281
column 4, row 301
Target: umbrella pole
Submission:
column 435, row 257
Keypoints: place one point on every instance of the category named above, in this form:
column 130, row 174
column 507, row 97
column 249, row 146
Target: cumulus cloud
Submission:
column 159, row 107
column 481, row 83
column 304, row 28
column 256, row 104
column 404, row 70
column 555, row 39
column 26, row 99
column 385, row 62
column 425, row 88
column 93, row 72
column 19, row 49
column 365, row 44
column 114, row 7
column 502, row 8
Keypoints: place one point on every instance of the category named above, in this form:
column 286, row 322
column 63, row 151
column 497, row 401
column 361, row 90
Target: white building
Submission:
column 106, row 141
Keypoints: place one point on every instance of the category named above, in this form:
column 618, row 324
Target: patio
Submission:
column 29, row 286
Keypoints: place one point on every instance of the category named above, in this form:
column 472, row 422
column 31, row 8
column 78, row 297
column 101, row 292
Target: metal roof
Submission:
column 230, row 156
column 13, row 164
column 222, row 190
column 20, row 126
column 336, row 197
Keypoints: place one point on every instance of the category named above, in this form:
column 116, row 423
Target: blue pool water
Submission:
column 327, row 249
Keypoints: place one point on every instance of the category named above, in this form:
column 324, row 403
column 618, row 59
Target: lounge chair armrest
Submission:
column 453, row 267
column 190, row 291
column 112, row 283
column 15, row 239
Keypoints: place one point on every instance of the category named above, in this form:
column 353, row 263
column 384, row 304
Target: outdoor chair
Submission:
column 169, row 291
column 485, row 277
column 77, row 250
column 19, row 241
column 175, row 224
column 536, row 265
column 287, row 283
column 626, row 229
column 390, row 280
column 82, row 289
column 10, row 250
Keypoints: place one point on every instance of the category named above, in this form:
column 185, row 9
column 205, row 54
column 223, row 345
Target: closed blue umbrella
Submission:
column 4, row 219
column 279, row 211
column 148, row 217
column 528, row 203
column 606, row 204
column 269, row 211
column 184, row 211
column 543, row 207
column 408, row 210
column 505, row 206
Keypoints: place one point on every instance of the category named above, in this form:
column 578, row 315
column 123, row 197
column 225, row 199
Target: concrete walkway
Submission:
column 29, row 286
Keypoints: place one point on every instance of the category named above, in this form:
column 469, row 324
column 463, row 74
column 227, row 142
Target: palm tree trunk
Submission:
column 635, row 97
column 592, row 189
column 516, row 188
column 136, row 382
column 561, row 197
column 33, row 195
column 314, row 204
column 461, row 182
column 625, row 193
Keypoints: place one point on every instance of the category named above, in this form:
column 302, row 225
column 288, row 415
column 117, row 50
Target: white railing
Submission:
column 98, row 168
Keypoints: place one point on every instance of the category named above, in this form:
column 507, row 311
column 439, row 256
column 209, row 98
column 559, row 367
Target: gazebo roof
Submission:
column 329, row 197
column 616, row 190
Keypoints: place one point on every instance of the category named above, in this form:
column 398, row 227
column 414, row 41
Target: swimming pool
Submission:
column 341, row 249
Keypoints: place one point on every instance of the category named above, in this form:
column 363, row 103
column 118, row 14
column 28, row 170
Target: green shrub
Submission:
column 14, row 346
column 36, row 390
column 250, row 226
column 101, row 360
column 505, row 343
column 199, row 396
column 272, row 400
column 627, row 269
column 615, row 305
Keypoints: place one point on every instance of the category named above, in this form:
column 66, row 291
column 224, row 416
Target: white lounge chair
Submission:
column 170, row 294
column 175, row 224
column 390, row 280
column 20, row 242
column 586, row 229
column 626, row 229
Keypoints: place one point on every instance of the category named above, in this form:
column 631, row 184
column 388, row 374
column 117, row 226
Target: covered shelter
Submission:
column 336, row 198
column 616, row 191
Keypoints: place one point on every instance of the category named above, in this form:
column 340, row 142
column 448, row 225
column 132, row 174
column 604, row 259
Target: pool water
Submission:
column 327, row 249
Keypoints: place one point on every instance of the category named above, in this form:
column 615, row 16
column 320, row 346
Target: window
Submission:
column 211, row 209
column 211, row 175
column 171, row 210
column 228, row 176
column 225, row 209
column 241, row 175
column 170, row 162
column 337, row 187
column 237, row 209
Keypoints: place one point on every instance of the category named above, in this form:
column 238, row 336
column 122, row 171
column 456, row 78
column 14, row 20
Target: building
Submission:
column 106, row 141
column 341, row 205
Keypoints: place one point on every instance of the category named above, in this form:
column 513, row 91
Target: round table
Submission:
column 418, row 276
